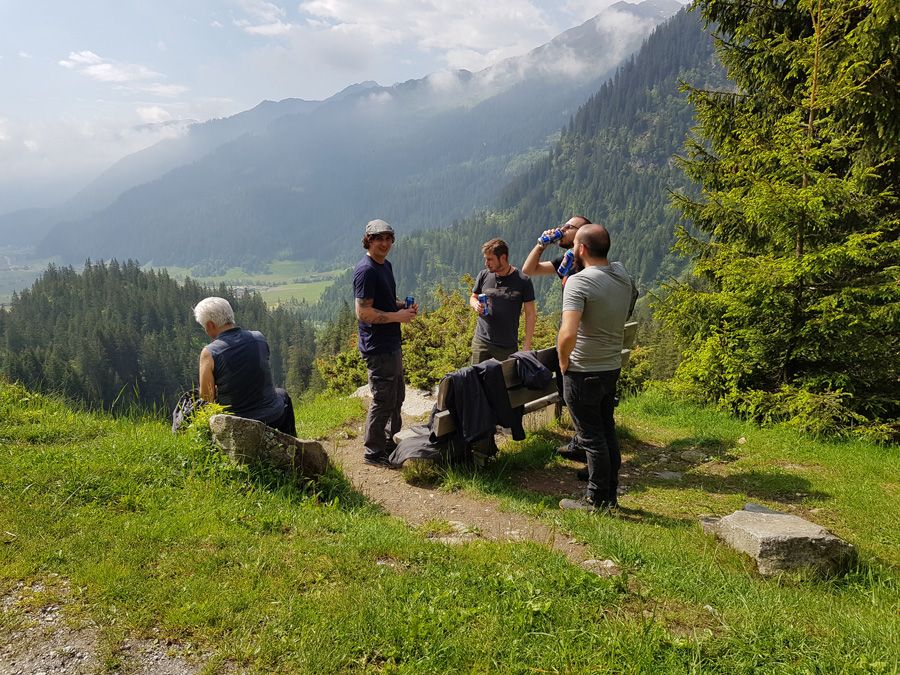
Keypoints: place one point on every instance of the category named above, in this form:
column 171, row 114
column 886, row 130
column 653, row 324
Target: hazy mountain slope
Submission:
column 613, row 164
column 419, row 153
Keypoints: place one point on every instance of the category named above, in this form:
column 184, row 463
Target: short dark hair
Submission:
column 497, row 247
column 367, row 239
column 587, row 221
column 595, row 239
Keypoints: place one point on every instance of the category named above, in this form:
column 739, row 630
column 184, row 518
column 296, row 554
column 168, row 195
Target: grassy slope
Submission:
column 153, row 531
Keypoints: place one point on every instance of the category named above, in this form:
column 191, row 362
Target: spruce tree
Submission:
column 794, row 307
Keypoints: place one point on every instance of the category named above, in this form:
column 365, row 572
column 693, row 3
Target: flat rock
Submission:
column 248, row 441
column 669, row 475
column 693, row 456
column 602, row 568
column 781, row 542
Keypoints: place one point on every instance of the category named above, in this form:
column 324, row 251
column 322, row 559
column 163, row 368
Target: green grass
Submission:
column 282, row 281
column 310, row 291
column 153, row 531
column 732, row 619
column 23, row 272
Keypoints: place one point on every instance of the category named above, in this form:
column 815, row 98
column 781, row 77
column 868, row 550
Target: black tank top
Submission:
column 243, row 376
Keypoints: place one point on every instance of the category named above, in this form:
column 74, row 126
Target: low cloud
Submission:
column 467, row 34
column 97, row 68
column 130, row 76
column 262, row 18
column 153, row 114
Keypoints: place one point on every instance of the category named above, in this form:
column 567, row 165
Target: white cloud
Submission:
column 128, row 76
column 216, row 24
column 262, row 18
column 267, row 29
column 95, row 67
column 153, row 114
column 160, row 89
column 24, row 55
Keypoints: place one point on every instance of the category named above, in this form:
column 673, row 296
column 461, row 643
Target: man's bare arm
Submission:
column 207, row 378
column 533, row 266
column 530, row 322
column 568, row 334
column 366, row 312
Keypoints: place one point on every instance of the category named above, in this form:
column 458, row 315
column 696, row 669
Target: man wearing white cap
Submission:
column 379, row 313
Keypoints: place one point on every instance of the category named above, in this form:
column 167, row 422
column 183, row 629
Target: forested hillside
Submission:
column 614, row 164
column 114, row 335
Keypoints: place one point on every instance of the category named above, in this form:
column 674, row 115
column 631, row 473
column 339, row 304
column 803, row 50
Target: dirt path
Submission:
column 471, row 517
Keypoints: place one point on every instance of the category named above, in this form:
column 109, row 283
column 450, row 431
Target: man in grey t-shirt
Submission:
column 596, row 304
column 508, row 292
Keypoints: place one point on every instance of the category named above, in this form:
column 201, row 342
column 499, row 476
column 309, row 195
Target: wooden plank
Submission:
column 630, row 334
column 520, row 395
column 626, row 355
column 543, row 402
column 443, row 424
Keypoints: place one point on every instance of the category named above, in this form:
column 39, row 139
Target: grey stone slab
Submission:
column 669, row 475
column 781, row 542
column 249, row 441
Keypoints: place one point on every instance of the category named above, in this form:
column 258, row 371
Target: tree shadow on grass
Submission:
column 774, row 487
column 527, row 472
column 675, row 466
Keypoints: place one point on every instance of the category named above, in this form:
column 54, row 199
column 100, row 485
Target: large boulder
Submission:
column 780, row 542
column 250, row 442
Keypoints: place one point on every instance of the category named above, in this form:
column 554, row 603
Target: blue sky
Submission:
column 87, row 82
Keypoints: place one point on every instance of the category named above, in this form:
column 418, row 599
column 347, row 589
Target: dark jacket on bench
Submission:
column 478, row 402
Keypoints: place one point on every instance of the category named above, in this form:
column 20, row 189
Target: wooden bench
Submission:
column 519, row 395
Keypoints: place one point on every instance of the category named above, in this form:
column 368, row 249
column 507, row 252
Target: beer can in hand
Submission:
column 483, row 299
column 555, row 235
column 568, row 262
column 410, row 301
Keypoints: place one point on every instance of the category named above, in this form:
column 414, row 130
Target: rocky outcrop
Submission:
column 249, row 442
column 780, row 542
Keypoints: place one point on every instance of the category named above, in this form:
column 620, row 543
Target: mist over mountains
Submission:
column 297, row 178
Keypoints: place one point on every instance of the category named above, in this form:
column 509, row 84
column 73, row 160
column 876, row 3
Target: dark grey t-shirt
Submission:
column 506, row 296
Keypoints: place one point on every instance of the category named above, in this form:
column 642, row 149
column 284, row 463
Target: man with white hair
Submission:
column 380, row 312
column 235, row 371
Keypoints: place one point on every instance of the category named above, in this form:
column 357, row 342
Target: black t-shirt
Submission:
column 557, row 261
column 506, row 296
column 374, row 281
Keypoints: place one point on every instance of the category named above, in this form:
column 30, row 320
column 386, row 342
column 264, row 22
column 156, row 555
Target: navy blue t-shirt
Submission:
column 374, row 281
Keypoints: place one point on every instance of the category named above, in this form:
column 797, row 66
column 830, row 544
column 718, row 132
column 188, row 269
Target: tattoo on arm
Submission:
column 366, row 312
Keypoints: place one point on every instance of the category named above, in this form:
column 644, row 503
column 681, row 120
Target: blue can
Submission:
column 556, row 235
column 568, row 262
column 483, row 299
column 410, row 301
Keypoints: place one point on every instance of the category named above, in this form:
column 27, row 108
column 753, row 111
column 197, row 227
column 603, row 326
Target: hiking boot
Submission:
column 568, row 452
column 380, row 460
